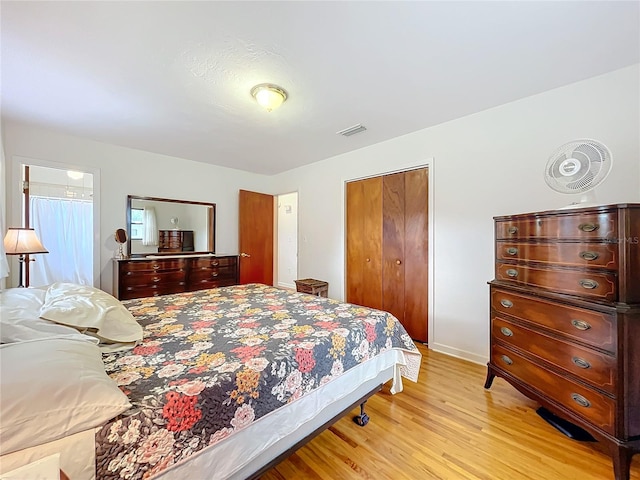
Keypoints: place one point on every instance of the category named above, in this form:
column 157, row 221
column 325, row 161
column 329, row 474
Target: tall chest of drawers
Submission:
column 565, row 318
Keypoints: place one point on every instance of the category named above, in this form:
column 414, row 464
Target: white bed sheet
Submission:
column 77, row 455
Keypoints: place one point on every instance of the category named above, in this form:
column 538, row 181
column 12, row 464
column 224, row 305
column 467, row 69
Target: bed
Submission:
column 227, row 381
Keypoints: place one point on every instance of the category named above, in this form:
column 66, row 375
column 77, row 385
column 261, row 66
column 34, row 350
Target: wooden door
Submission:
column 255, row 237
column 393, row 249
column 364, row 242
column 416, row 259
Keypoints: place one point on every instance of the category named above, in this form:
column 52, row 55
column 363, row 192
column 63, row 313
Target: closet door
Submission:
column 393, row 245
column 416, row 278
column 364, row 242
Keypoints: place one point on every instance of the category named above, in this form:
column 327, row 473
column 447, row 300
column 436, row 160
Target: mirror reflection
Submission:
column 161, row 226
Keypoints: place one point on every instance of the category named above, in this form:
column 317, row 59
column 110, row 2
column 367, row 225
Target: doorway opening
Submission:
column 61, row 202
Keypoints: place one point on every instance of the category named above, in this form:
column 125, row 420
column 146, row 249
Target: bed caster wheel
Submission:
column 361, row 420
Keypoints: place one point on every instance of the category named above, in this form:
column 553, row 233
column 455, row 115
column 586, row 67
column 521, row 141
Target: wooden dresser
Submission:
column 175, row 241
column 565, row 318
column 147, row 277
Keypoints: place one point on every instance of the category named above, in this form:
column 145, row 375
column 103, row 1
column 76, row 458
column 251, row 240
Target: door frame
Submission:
column 429, row 163
column 277, row 239
column 16, row 200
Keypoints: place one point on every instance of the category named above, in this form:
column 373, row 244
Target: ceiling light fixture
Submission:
column 269, row 96
column 75, row 175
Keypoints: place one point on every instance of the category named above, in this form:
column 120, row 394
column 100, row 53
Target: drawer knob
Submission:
column 587, row 255
column 215, row 263
column 214, row 274
column 506, row 332
column 512, row 272
column 581, row 362
column 588, row 227
column 580, row 400
column 512, row 251
column 588, row 284
column 580, row 324
column 156, row 279
column 512, row 230
column 156, row 266
column 506, row 360
column 506, row 303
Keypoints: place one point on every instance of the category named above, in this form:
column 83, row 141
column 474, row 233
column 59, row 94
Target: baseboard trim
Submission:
column 456, row 352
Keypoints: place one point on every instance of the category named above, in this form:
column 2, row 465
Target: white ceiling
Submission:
column 174, row 77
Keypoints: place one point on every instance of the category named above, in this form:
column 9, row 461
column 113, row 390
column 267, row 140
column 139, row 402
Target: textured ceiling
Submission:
column 174, row 77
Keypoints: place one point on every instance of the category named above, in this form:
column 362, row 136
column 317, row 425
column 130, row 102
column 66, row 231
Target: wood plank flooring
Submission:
column 447, row 426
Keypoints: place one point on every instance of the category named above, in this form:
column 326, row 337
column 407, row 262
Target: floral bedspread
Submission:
column 214, row 361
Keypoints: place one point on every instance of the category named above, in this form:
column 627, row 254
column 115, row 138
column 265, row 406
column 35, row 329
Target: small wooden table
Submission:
column 312, row 286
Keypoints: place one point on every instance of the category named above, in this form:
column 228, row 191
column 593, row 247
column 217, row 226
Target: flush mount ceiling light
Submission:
column 269, row 96
column 75, row 175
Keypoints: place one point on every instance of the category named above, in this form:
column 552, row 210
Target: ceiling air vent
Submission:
column 347, row 132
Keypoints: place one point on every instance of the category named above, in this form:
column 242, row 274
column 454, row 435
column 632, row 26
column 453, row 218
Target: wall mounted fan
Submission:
column 578, row 167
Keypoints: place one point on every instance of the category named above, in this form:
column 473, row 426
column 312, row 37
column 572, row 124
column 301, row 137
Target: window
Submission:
column 137, row 224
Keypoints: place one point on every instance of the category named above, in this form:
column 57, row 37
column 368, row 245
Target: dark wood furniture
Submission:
column 147, row 277
column 565, row 318
column 175, row 241
column 312, row 286
column 387, row 246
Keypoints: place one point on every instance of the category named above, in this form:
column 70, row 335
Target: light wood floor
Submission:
column 447, row 426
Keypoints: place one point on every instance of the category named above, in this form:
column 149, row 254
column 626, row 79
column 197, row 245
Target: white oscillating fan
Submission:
column 578, row 167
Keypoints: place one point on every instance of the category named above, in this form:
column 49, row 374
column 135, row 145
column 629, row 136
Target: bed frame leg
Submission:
column 363, row 418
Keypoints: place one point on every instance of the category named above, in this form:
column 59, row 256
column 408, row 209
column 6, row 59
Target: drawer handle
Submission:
column 215, row 264
column 156, row 279
column 506, row 332
column 580, row 324
column 506, row 303
column 513, row 273
column 156, row 266
column 512, row 230
column 214, row 274
column 588, row 227
column 589, row 255
column 512, row 251
column 588, row 284
column 580, row 400
column 506, row 360
column 581, row 362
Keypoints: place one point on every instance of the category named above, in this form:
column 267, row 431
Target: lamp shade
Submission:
column 22, row 241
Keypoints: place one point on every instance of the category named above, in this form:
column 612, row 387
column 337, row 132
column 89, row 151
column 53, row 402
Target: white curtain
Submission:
column 150, row 235
column 65, row 228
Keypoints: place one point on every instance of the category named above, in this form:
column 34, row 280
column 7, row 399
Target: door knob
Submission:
column 246, row 255
column 398, row 262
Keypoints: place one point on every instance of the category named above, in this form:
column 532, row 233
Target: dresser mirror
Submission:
column 162, row 226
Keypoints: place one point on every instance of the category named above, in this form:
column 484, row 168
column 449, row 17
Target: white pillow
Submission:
column 53, row 388
column 20, row 318
column 91, row 309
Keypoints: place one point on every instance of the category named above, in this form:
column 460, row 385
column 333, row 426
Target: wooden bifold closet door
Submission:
column 387, row 233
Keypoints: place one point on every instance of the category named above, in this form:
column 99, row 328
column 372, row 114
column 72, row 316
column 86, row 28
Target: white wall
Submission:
column 287, row 271
column 486, row 164
column 124, row 171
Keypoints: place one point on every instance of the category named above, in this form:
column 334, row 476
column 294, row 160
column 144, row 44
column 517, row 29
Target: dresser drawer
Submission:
column 152, row 278
column 151, row 290
column 592, row 366
column 578, row 226
column 213, row 273
column 596, row 408
column 597, row 285
column 153, row 265
column 208, row 262
column 588, row 326
column 214, row 283
column 603, row 255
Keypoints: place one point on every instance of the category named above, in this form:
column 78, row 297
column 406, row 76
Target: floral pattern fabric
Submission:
column 214, row 361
